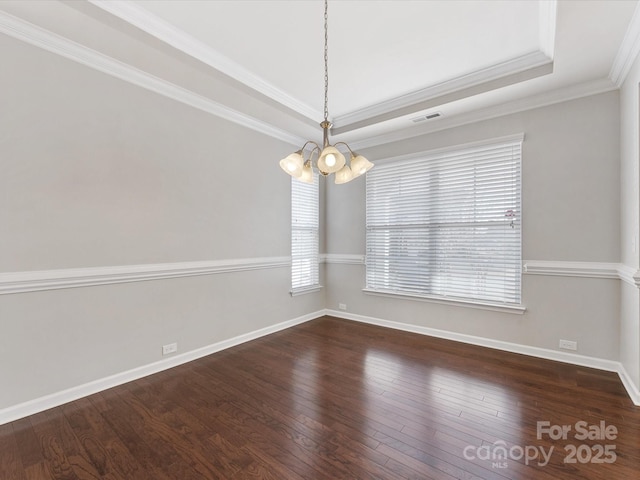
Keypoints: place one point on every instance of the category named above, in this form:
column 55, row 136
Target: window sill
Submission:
column 496, row 307
column 304, row 290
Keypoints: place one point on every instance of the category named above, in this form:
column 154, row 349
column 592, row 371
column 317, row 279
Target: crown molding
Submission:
column 533, row 61
column 543, row 99
column 447, row 91
column 628, row 51
column 548, row 10
column 177, row 38
column 41, row 38
column 159, row 28
column 34, row 281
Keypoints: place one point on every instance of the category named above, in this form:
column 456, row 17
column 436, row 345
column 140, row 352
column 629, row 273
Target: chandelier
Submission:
column 328, row 159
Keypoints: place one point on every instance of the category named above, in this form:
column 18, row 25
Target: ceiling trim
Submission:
column 512, row 71
column 180, row 40
column 628, row 51
column 465, row 85
column 547, row 26
column 41, row 38
column 528, row 103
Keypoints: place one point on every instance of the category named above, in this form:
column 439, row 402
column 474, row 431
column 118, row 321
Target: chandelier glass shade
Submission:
column 326, row 159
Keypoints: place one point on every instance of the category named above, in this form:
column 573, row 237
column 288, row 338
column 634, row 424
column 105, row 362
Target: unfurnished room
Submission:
column 319, row 239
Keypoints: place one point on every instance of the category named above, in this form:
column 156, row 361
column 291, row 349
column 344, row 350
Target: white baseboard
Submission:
column 572, row 358
column 31, row 407
column 629, row 385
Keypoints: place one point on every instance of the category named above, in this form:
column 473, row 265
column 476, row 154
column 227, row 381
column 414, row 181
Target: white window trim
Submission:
column 478, row 304
column 463, row 302
column 308, row 224
column 294, row 292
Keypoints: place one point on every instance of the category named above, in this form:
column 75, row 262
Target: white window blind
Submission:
column 304, row 234
column 447, row 225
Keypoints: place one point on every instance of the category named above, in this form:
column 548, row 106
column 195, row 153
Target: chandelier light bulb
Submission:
column 331, row 160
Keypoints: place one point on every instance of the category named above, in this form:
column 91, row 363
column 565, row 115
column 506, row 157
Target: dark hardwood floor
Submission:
column 333, row 399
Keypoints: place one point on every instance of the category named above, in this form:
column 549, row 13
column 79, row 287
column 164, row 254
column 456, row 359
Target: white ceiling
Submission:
column 380, row 49
column 389, row 61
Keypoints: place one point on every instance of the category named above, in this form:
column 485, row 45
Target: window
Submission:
column 304, row 235
column 446, row 225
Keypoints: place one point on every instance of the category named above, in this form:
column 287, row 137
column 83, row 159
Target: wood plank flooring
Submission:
column 333, row 399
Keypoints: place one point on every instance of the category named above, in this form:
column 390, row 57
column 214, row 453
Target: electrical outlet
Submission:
column 568, row 345
column 342, row 306
column 170, row 348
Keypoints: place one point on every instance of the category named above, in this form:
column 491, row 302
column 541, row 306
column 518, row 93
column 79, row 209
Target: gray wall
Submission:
column 571, row 204
column 97, row 172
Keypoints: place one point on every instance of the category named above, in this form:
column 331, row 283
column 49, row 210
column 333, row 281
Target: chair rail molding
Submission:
column 33, row 281
column 571, row 269
column 629, row 275
column 619, row 271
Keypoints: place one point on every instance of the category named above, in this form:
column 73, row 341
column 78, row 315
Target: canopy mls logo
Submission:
column 499, row 453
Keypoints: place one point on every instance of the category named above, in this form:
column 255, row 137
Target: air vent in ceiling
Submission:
column 422, row 118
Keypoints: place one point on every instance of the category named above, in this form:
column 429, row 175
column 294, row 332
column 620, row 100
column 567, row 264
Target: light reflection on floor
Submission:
column 442, row 407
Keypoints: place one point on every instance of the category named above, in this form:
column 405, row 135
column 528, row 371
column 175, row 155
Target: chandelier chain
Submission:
column 328, row 158
column 326, row 61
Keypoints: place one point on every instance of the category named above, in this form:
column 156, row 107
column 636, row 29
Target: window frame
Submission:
column 374, row 288
column 305, row 235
